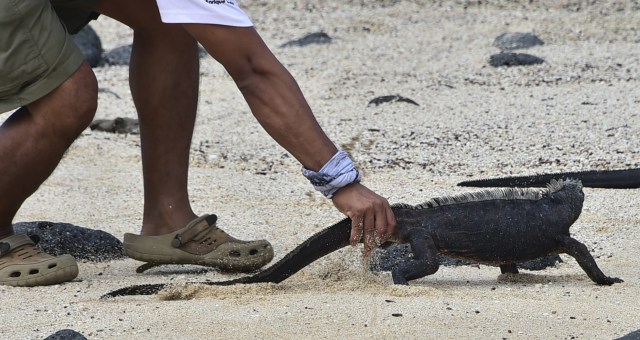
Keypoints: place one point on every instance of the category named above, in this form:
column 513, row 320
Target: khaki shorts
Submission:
column 37, row 52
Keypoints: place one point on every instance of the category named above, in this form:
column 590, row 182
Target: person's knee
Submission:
column 70, row 108
column 82, row 106
column 89, row 96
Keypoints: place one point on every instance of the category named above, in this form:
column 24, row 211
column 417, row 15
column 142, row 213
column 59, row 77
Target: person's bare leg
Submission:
column 34, row 139
column 164, row 78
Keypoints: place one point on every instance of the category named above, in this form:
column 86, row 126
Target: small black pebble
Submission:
column 390, row 99
column 514, row 59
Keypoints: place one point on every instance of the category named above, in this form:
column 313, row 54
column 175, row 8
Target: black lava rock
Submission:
column 123, row 125
column 66, row 334
column 90, row 45
column 64, row 238
column 309, row 39
column 117, row 56
column 635, row 335
column 391, row 99
column 514, row 59
column 541, row 263
column 514, row 41
column 388, row 258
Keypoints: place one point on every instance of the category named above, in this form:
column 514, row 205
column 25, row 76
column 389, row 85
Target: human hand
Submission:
column 372, row 220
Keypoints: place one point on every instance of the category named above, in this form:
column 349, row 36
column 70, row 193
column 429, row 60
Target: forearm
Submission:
column 279, row 105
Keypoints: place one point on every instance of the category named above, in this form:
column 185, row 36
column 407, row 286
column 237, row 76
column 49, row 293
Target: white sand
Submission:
column 577, row 111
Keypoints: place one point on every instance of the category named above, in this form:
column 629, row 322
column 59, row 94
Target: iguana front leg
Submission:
column 425, row 258
column 580, row 252
column 509, row 268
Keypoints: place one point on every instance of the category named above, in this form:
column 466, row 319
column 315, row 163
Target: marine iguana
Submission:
column 497, row 227
column 607, row 179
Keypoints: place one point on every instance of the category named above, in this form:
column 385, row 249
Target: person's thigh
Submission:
column 141, row 15
column 37, row 53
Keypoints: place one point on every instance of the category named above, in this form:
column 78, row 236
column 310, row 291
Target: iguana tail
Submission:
column 323, row 243
column 608, row 179
column 317, row 246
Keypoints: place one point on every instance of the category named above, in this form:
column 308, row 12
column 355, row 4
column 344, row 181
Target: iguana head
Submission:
column 568, row 191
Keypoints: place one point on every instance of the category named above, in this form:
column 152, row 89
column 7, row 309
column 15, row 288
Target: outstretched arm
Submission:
column 279, row 105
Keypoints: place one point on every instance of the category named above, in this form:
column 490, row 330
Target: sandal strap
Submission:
column 196, row 230
column 12, row 242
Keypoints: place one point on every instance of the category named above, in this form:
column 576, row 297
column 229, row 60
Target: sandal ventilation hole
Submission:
column 33, row 271
column 235, row 253
column 52, row 265
column 253, row 252
column 15, row 274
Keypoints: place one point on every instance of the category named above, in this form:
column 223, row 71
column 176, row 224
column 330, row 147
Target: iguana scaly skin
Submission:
column 607, row 179
column 497, row 227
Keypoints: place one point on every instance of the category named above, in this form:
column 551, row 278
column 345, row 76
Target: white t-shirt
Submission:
column 220, row 12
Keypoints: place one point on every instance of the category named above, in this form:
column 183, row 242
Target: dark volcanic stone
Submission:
column 90, row 45
column 541, row 263
column 117, row 56
column 635, row 335
column 122, row 125
column 389, row 258
column 66, row 334
column 311, row 38
column 514, row 59
column 391, row 99
column 64, row 238
column 514, row 41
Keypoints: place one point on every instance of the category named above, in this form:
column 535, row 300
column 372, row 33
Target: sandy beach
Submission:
column 579, row 110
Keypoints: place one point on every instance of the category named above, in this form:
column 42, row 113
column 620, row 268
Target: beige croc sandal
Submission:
column 22, row 264
column 201, row 242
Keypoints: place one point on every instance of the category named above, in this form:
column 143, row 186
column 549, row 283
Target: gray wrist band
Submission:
column 337, row 173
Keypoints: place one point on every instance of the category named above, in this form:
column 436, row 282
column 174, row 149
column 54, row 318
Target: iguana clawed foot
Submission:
column 608, row 281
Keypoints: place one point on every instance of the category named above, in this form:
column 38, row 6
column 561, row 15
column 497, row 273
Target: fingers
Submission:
column 363, row 229
column 385, row 222
column 357, row 230
column 390, row 225
column 370, row 237
column 372, row 219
